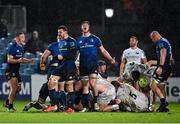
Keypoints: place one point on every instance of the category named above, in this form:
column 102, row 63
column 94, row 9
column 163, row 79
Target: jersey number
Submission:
column 133, row 95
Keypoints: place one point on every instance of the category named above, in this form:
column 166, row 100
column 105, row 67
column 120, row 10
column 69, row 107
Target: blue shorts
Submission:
column 50, row 70
column 87, row 70
column 66, row 72
column 10, row 73
column 166, row 71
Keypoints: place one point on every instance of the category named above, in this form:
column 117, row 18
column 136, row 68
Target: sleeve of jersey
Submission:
column 143, row 55
column 77, row 43
column 98, row 42
column 10, row 50
column 123, row 55
column 162, row 45
column 50, row 47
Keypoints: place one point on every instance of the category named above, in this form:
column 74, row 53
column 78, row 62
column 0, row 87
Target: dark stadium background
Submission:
column 131, row 17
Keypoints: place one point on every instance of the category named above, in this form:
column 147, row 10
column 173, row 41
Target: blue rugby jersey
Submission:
column 68, row 49
column 88, row 47
column 54, row 49
column 17, row 51
column 163, row 43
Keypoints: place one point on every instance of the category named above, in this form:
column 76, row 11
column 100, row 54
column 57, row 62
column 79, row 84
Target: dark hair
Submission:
column 19, row 33
column 116, row 84
column 134, row 37
column 63, row 27
column 135, row 75
column 85, row 22
column 101, row 62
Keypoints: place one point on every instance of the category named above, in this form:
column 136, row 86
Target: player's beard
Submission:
column 132, row 45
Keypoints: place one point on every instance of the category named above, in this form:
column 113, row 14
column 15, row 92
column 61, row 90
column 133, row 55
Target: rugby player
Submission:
column 65, row 73
column 132, row 54
column 14, row 58
column 88, row 45
column 51, row 52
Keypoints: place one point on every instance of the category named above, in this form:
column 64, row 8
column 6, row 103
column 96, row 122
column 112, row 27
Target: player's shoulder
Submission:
column 71, row 38
column 52, row 44
column 94, row 36
column 164, row 41
column 79, row 39
column 139, row 49
column 127, row 50
column 13, row 44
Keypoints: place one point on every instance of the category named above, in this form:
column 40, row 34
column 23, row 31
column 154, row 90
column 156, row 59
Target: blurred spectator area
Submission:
column 13, row 17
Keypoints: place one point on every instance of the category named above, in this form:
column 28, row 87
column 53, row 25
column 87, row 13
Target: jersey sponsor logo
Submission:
column 86, row 45
column 60, row 49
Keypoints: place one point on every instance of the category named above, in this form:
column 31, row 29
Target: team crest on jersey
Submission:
column 91, row 40
column 17, row 51
column 65, row 43
column 137, row 52
column 72, row 44
column 80, row 41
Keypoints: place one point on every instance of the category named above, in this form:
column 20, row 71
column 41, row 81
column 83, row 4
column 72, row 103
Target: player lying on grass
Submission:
column 130, row 99
column 145, row 78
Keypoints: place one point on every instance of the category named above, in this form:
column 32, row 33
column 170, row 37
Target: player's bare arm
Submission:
column 144, row 60
column 122, row 65
column 43, row 59
column 10, row 59
column 107, row 55
column 162, row 60
column 151, row 62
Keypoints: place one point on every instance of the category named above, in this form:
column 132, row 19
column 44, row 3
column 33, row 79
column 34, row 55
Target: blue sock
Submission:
column 85, row 100
column 62, row 98
column 54, row 97
column 71, row 99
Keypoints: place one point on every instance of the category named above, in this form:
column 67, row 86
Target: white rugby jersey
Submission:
column 135, row 99
column 133, row 55
column 108, row 95
column 101, row 80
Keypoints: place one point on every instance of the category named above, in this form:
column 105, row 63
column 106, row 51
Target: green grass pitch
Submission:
column 35, row 116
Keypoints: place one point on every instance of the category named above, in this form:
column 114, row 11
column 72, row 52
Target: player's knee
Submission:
column 69, row 87
column 53, row 81
column 93, row 85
